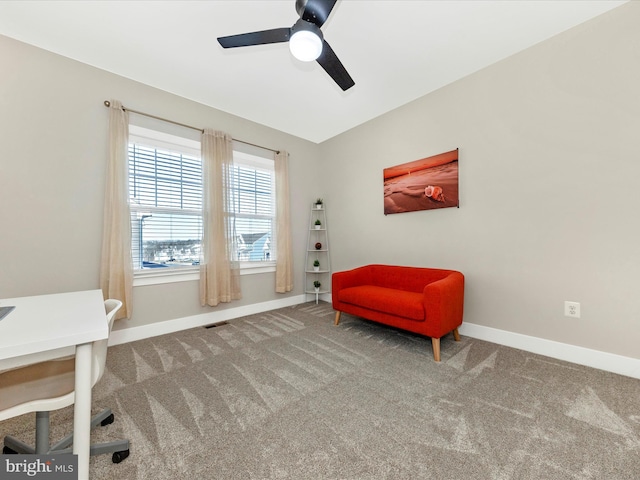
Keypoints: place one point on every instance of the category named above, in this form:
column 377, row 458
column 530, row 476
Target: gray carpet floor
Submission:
column 287, row 395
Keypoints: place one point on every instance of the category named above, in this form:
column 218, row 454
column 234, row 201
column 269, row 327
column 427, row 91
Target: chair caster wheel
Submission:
column 120, row 456
column 107, row 420
column 8, row 451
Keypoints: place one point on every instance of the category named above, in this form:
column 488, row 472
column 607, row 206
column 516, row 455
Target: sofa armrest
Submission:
column 348, row 278
column 443, row 304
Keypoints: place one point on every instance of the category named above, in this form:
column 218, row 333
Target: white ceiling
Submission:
column 396, row 51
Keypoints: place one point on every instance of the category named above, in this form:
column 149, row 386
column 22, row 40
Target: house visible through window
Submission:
column 165, row 190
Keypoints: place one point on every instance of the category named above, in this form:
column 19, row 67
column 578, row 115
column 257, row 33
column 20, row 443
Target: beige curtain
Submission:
column 116, row 268
column 219, row 272
column 284, row 254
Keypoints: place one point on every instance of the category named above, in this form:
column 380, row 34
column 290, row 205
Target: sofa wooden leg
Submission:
column 337, row 320
column 456, row 335
column 436, row 349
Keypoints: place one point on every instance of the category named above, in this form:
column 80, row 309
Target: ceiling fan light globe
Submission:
column 306, row 46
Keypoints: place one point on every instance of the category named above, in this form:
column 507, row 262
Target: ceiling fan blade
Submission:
column 277, row 35
column 329, row 61
column 315, row 11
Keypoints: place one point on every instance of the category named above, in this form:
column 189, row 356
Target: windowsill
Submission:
column 250, row 268
column 154, row 277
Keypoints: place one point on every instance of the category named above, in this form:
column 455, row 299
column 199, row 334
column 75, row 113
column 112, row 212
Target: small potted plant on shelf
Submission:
column 316, row 285
column 318, row 224
column 319, row 204
column 316, row 265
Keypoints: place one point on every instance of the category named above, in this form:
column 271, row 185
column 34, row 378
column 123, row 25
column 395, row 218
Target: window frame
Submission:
column 257, row 162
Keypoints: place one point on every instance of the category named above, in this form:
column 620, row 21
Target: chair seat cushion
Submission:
column 35, row 382
column 387, row 300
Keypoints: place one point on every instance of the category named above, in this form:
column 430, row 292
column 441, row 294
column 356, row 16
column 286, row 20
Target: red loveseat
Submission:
column 427, row 301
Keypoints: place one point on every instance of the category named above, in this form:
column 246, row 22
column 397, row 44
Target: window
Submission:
column 253, row 194
column 165, row 192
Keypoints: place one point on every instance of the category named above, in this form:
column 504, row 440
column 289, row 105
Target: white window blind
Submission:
column 165, row 190
column 253, row 193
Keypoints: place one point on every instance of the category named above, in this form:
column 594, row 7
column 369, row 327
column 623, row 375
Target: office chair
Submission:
column 48, row 386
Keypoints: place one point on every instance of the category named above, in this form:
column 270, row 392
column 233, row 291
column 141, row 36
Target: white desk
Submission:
column 50, row 326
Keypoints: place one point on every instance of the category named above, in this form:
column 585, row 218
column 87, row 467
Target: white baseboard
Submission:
column 132, row 334
column 583, row 356
column 609, row 362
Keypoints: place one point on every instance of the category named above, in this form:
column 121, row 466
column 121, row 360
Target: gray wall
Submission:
column 549, row 199
column 53, row 153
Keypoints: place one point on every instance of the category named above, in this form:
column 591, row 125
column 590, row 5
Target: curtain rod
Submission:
column 107, row 103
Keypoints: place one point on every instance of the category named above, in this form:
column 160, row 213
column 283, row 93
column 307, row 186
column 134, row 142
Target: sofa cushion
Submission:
column 388, row 300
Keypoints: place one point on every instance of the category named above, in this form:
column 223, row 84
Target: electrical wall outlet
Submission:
column 572, row 309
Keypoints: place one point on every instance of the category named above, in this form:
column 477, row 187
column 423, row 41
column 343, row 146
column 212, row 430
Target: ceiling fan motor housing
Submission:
column 315, row 12
column 302, row 25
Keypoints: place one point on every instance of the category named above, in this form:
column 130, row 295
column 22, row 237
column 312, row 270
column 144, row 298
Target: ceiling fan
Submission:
column 305, row 39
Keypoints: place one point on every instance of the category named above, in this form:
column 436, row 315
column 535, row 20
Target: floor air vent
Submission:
column 219, row 324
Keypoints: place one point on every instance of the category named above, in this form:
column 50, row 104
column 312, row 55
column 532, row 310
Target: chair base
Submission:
column 119, row 448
